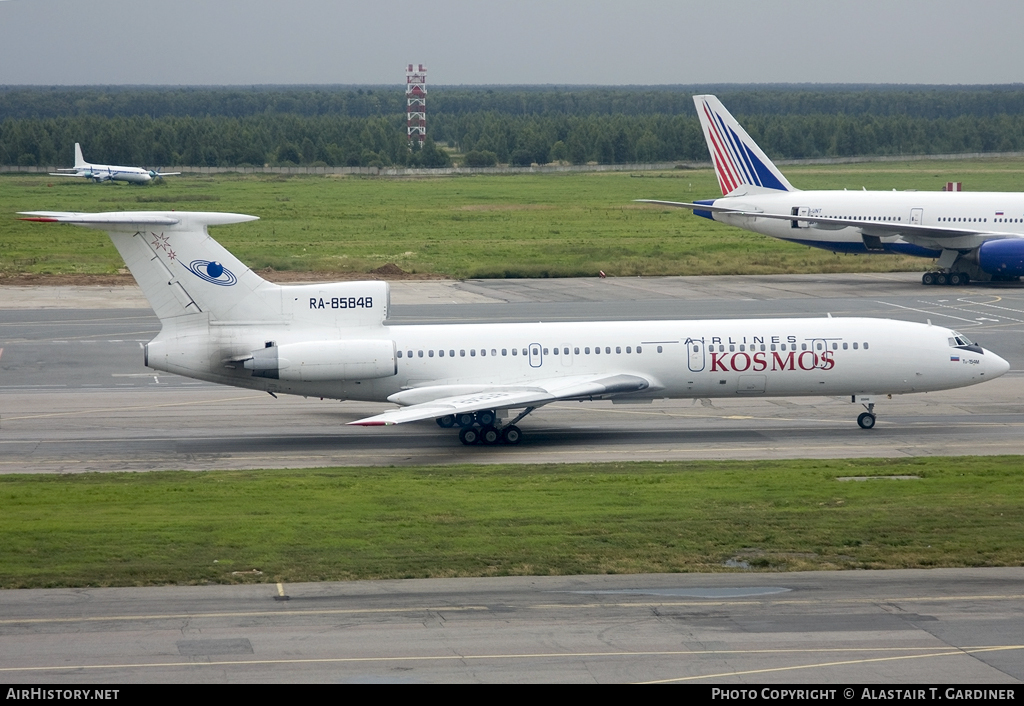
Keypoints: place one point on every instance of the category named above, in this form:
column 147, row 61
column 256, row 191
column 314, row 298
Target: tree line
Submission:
column 18, row 102
column 268, row 129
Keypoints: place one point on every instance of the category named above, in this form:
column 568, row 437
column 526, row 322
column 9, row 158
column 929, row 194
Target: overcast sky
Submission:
column 606, row 42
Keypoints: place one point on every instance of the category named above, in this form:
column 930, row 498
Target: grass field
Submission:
column 554, row 225
column 360, row 523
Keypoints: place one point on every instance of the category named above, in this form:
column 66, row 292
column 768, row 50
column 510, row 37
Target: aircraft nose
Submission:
column 995, row 365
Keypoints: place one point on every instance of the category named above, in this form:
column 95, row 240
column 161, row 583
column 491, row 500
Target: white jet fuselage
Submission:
column 994, row 212
column 679, row 359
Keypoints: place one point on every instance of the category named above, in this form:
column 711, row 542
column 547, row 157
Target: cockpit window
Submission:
column 958, row 339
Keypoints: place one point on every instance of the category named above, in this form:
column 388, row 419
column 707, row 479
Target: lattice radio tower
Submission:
column 416, row 102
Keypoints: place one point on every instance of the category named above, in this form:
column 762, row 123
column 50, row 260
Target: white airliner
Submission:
column 105, row 172
column 223, row 323
column 976, row 236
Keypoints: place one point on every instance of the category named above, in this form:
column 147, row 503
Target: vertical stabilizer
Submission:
column 80, row 162
column 737, row 158
column 180, row 268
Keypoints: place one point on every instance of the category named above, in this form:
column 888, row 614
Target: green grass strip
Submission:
column 128, row 529
column 524, row 225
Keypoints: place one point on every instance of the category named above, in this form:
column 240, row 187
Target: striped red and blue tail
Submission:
column 738, row 160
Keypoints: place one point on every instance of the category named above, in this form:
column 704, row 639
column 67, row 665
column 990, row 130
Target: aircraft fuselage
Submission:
column 997, row 212
column 681, row 359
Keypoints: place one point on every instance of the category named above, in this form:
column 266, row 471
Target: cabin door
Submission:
column 695, row 358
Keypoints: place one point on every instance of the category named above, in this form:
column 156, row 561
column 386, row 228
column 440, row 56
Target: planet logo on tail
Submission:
column 212, row 272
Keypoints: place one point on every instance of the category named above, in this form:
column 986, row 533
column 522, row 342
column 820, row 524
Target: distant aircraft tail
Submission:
column 738, row 160
column 80, row 162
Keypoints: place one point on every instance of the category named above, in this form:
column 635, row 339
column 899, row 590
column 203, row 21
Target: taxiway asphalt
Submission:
column 834, row 629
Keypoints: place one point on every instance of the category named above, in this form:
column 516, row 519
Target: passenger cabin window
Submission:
column 400, row 352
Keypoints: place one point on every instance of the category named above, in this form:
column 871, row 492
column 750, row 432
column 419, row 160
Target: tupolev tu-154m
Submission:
column 100, row 173
column 223, row 323
column 976, row 236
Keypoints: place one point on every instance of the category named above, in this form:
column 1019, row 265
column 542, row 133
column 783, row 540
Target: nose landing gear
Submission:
column 866, row 420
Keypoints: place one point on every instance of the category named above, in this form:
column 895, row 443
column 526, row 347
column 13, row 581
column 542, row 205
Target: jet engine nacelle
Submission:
column 1002, row 257
column 320, row 361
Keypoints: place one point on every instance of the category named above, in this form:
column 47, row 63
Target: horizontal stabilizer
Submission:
column 100, row 219
column 138, row 218
column 691, row 206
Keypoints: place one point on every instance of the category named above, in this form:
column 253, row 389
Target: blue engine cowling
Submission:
column 1002, row 257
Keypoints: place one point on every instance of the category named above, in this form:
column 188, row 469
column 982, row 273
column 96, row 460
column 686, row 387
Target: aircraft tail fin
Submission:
column 738, row 160
column 80, row 162
column 180, row 268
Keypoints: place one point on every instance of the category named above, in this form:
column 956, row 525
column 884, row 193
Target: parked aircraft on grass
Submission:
column 222, row 323
column 105, row 172
column 976, row 236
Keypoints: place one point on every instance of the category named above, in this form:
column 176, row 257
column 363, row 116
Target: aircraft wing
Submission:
column 924, row 235
column 441, row 400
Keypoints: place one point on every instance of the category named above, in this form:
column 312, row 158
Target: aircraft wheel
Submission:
column 469, row 436
column 465, row 420
column 485, row 418
column 956, row 279
column 941, row 279
column 446, row 422
column 511, row 435
column 928, row 279
column 866, row 420
column 489, row 435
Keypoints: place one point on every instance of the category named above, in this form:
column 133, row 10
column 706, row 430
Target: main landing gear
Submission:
column 483, row 428
column 956, row 279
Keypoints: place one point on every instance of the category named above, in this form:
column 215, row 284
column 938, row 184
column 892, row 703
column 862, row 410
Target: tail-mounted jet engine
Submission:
column 317, row 361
